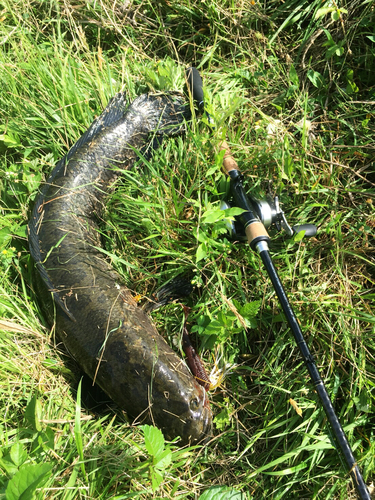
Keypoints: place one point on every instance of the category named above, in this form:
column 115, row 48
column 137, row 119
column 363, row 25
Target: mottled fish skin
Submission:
column 111, row 338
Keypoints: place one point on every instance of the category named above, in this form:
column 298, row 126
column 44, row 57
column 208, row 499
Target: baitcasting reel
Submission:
column 269, row 212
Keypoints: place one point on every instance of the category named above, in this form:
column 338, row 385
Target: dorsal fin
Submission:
column 113, row 112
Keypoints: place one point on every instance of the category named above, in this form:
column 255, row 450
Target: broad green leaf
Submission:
column 250, row 309
column 339, row 51
column 18, row 454
column 335, row 49
column 201, row 252
column 154, row 440
column 350, row 75
column 233, row 212
column 337, row 13
column 24, row 483
column 202, row 237
column 213, row 216
column 299, row 236
column 293, row 76
column 315, row 78
column 351, row 88
column 222, row 420
column 8, row 465
column 222, row 493
column 324, row 11
column 163, row 460
column 362, row 402
column 9, row 141
column 46, row 439
column 212, row 170
column 33, row 413
column 156, row 479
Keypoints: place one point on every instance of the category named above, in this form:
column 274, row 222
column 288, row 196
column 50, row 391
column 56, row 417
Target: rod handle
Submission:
column 229, row 162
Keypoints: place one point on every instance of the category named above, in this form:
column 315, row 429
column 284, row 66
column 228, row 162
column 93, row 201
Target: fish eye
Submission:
column 194, row 404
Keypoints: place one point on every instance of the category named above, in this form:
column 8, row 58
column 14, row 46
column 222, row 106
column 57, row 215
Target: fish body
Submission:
column 111, row 338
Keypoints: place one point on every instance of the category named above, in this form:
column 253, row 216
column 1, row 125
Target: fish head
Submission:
column 198, row 418
column 183, row 409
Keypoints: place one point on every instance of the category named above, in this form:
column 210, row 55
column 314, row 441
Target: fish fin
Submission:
column 177, row 288
column 93, row 398
column 35, row 252
column 43, row 273
column 162, row 114
column 113, row 112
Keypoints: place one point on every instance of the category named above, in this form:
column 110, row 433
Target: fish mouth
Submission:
column 205, row 429
column 205, row 419
column 194, row 432
column 207, row 426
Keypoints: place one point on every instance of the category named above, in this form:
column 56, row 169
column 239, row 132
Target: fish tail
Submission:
column 177, row 288
column 162, row 114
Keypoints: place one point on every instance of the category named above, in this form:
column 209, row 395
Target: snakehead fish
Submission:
column 111, row 338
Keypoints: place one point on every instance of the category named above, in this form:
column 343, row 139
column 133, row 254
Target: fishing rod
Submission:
column 255, row 217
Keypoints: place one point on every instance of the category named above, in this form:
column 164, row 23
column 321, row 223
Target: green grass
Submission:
column 267, row 69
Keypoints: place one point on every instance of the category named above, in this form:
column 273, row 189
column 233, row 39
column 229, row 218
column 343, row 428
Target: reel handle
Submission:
column 310, row 229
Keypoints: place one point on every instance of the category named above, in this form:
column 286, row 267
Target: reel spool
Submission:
column 269, row 212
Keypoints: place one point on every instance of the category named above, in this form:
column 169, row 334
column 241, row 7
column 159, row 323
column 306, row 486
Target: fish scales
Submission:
column 112, row 339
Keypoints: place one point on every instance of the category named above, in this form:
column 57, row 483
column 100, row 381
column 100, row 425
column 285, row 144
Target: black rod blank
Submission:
column 315, row 377
column 195, row 86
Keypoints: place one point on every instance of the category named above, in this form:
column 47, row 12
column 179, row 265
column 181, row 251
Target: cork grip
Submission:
column 255, row 230
column 228, row 161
